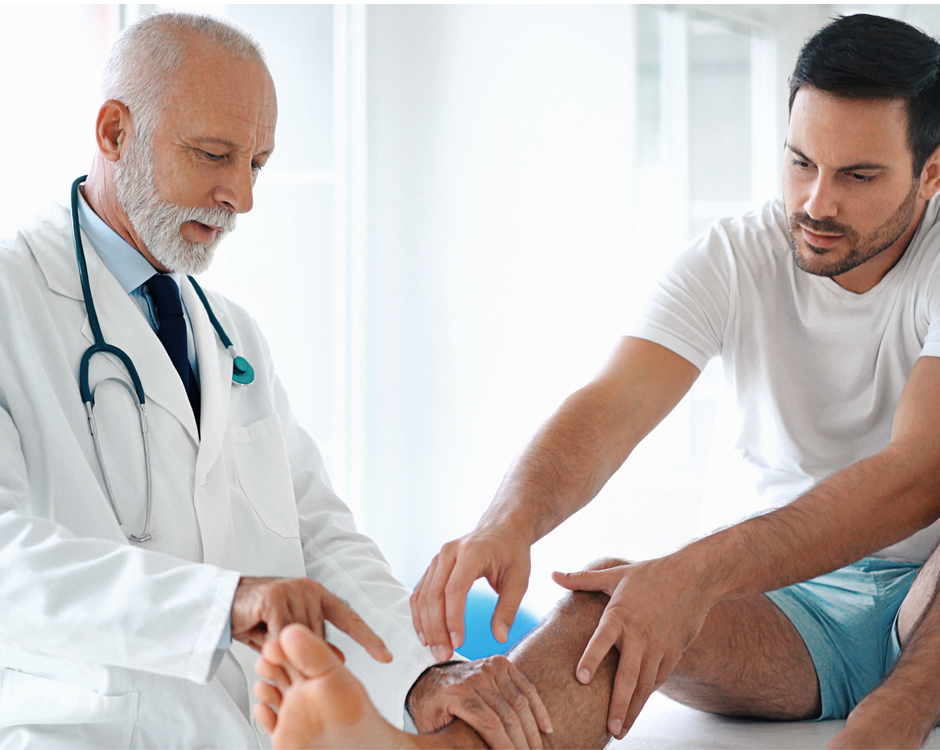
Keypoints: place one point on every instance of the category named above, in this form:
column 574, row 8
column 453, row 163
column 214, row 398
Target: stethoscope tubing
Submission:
column 242, row 374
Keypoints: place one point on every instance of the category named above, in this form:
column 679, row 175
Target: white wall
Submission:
column 50, row 73
column 500, row 172
column 506, row 252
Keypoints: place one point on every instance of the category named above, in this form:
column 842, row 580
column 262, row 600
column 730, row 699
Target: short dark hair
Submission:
column 872, row 57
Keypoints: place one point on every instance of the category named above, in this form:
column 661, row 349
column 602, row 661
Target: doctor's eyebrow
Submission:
column 863, row 167
column 230, row 145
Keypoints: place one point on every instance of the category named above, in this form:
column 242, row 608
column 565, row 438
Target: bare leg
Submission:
column 748, row 660
column 904, row 709
column 320, row 703
column 918, row 599
column 548, row 657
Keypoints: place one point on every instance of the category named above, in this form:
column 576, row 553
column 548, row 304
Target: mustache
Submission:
column 217, row 217
column 829, row 226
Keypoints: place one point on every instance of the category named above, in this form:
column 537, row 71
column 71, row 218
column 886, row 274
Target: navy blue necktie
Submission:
column 172, row 332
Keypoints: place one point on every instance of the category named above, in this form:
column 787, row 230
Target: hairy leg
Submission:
column 748, row 660
column 548, row 657
column 919, row 598
column 905, row 707
column 320, row 703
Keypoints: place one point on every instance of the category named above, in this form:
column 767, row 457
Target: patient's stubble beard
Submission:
column 861, row 248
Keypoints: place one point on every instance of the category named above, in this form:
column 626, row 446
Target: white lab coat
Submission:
column 108, row 644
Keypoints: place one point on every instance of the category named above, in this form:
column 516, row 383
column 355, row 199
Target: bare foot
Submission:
column 319, row 703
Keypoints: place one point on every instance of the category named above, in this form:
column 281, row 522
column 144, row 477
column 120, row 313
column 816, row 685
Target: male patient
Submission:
column 825, row 310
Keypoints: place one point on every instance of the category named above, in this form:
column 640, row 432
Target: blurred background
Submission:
column 464, row 211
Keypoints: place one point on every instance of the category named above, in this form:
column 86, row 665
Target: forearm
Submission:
column 593, row 432
column 561, row 469
column 872, row 504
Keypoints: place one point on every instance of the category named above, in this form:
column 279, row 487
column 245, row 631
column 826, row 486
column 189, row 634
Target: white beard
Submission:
column 157, row 222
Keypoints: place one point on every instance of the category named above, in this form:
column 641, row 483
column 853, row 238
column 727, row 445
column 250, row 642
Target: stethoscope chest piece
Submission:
column 242, row 372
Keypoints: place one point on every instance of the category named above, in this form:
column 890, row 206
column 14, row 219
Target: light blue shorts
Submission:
column 848, row 621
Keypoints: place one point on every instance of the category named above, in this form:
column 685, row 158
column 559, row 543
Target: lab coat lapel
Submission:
column 121, row 322
column 123, row 326
column 213, row 509
column 215, row 381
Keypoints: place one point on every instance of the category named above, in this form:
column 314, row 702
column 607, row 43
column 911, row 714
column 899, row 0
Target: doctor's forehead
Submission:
column 215, row 92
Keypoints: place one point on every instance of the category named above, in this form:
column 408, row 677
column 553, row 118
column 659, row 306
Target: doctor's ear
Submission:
column 113, row 128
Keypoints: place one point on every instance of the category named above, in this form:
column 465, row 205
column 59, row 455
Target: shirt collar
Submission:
column 125, row 262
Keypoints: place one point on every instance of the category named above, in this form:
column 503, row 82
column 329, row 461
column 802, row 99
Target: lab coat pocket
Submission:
column 264, row 474
column 76, row 713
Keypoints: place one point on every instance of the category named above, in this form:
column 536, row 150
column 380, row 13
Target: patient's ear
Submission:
column 930, row 176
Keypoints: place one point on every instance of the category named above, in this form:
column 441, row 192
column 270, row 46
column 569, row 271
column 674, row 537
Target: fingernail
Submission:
column 422, row 639
column 440, row 653
column 615, row 726
column 548, row 728
column 584, row 676
column 454, row 640
column 502, row 633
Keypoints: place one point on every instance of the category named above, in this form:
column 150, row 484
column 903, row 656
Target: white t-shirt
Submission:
column 817, row 371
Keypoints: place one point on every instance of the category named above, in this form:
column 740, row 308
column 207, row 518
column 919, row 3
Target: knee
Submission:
column 606, row 562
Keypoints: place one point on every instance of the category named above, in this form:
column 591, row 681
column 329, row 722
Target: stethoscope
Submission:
column 242, row 374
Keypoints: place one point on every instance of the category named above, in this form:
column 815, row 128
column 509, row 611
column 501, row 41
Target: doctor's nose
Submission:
column 236, row 192
column 822, row 201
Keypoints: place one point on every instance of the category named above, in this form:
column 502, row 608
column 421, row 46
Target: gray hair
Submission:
column 148, row 54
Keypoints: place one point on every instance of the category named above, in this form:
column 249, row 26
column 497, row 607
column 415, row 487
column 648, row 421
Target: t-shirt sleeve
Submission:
column 931, row 347
column 688, row 310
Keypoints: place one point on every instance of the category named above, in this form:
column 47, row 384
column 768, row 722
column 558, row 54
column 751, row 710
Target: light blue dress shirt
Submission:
column 132, row 270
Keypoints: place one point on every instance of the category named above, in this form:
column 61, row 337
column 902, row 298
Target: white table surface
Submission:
column 667, row 725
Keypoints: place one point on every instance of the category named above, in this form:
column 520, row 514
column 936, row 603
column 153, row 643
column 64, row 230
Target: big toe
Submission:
column 308, row 653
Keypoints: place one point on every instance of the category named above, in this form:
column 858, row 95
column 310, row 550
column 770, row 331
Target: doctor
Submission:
column 133, row 584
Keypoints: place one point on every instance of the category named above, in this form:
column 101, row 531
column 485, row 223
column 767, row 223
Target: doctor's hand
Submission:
column 264, row 606
column 491, row 695
column 437, row 604
column 656, row 610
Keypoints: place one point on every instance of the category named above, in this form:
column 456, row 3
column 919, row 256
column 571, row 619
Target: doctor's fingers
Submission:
column 339, row 613
column 494, row 720
column 518, row 700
